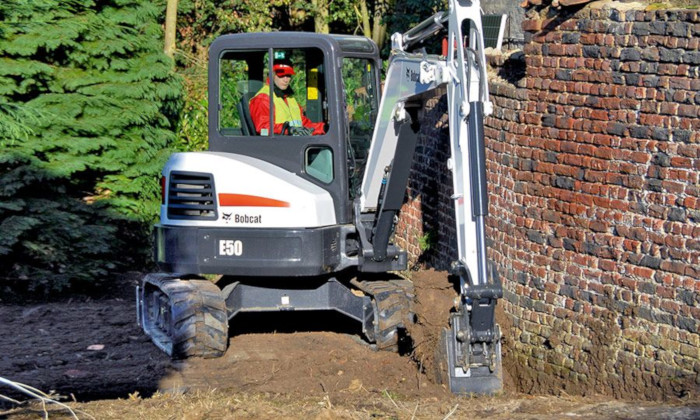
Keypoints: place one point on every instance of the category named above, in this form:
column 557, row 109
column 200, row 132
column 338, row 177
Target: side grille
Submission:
column 191, row 195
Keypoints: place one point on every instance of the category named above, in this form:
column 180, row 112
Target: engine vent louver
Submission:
column 191, row 195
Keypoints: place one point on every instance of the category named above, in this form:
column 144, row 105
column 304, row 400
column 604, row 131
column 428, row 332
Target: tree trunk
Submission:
column 321, row 16
column 381, row 8
column 379, row 29
column 170, row 27
column 364, row 17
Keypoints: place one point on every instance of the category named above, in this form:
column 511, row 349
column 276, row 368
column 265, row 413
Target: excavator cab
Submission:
column 269, row 208
column 335, row 81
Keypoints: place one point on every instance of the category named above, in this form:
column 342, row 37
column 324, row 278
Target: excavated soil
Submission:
column 90, row 353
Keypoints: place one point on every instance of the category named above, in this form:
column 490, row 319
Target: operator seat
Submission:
column 249, row 89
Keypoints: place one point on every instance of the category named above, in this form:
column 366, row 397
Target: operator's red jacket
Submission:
column 260, row 112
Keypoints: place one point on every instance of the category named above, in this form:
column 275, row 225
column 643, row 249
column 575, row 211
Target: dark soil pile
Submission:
column 435, row 298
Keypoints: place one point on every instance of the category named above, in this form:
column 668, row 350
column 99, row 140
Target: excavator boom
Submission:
column 473, row 341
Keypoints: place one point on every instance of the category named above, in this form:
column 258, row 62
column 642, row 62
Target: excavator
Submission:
column 290, row 221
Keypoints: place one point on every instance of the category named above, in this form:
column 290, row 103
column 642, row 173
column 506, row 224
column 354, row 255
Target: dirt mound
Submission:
column 435, row 297
column 301, row 364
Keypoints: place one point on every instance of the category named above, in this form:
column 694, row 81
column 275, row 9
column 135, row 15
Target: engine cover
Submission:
column 229, row 190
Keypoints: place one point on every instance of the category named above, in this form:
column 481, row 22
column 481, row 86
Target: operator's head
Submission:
column 283, row 73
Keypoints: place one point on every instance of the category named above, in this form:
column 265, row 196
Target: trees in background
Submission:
column 87, row 101
column 199, row 22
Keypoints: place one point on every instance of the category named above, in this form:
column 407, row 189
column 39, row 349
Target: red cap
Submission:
column 283, row 69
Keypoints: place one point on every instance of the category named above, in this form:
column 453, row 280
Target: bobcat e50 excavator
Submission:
column 295, row 222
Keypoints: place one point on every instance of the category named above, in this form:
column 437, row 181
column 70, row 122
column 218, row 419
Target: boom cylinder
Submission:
column 423, row 31
column 479, row 193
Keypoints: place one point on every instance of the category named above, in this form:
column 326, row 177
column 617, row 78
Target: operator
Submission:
column 288, row 114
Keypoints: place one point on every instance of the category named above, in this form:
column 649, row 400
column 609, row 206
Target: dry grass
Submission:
column 219, row 404
column 671, row 4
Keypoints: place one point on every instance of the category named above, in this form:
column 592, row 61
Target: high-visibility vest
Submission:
column 288, row 111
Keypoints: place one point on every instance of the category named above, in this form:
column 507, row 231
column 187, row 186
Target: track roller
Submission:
column 183, row 317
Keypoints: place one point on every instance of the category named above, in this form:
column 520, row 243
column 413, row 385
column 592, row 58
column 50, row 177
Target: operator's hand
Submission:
column 300, row 131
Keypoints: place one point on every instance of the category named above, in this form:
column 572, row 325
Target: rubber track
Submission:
column 393, row 308
column 198, row 317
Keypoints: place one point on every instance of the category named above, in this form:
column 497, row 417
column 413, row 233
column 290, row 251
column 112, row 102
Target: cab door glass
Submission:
column 362, row 103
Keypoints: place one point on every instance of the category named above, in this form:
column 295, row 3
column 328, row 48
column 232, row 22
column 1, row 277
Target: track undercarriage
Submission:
column 189, row 316
column 183, row 317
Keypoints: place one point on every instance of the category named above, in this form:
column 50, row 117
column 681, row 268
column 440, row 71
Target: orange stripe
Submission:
column 243, row 200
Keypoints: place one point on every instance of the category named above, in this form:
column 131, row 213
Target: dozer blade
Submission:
column 184, row 318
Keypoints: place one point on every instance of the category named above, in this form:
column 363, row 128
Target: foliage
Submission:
column 673, row 4
column 193, row 128
column 344, row 17
column 427, row 241
column 408, row 13
column 201, row 21
column 86, row 100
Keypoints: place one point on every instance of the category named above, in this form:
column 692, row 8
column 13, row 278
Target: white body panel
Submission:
column 402, row 82
column 307, row 204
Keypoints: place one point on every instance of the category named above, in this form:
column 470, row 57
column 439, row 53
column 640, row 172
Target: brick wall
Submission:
column 594, row 181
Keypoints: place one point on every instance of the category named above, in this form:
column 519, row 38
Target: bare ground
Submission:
column 91, row 352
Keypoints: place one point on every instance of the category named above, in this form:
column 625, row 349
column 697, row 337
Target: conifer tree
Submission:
column 88, row 105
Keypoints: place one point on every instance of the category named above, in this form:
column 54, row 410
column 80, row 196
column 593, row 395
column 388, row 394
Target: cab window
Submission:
column 298, row 106
column 362, row 104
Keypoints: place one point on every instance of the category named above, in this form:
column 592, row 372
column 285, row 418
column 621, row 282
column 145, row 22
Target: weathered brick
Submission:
column 657, row 28
column 689, row 324
column 651, row 262
column 641, row 29
column 639, row 131
column 658, row 133
column 677, row 214
column 571, row 37
column 670, row 55
column 650, row 54
column 690, row 111
column 630, row 54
